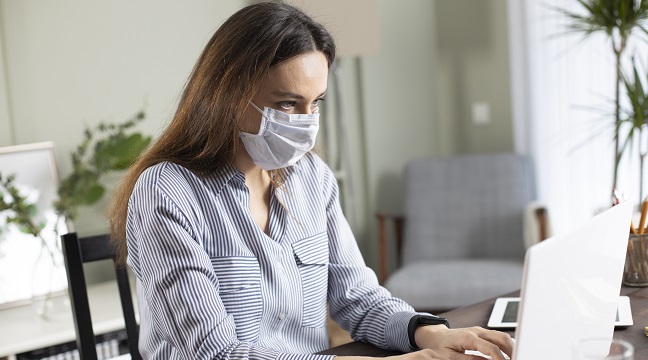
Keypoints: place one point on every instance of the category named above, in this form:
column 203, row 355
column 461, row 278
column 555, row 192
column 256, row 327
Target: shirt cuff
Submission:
column 396, row 330
column 304, row 357
column 419, row 320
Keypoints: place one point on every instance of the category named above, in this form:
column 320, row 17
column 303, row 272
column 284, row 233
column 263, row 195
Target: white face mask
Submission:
column 282, row 139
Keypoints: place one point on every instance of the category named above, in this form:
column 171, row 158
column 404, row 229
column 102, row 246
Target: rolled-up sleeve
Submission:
column 357, row 302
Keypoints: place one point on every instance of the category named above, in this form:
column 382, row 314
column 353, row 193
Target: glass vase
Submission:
column 635, row 272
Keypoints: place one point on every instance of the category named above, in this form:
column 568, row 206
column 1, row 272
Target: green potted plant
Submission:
column 104, row 149
column 634, row 119
column 619, row 20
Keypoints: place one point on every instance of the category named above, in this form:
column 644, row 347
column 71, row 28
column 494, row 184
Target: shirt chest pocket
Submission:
column 239, row 280
column 312, row 257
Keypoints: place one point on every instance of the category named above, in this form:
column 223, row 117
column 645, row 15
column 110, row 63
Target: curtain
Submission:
column 563, row 107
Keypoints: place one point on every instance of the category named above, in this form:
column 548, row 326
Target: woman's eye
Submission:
column 315, row 104
column 287, row 105
column 290, row 105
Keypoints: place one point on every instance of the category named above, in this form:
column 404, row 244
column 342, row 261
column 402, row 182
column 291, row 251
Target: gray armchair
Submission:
column 461, row 239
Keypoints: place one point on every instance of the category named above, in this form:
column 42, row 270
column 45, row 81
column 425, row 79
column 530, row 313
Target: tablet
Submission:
column 504, row 314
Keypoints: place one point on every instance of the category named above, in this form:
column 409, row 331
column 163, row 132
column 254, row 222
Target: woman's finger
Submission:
column 502, row 340
column 483, row 346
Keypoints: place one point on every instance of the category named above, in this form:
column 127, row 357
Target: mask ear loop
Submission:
column 256, row 107
column 264, row 122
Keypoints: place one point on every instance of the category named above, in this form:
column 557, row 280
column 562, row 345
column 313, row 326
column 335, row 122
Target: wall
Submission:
column 415, row 96
column 399, row 105
column 473, row 67
column 6, row 130
column 70, row 63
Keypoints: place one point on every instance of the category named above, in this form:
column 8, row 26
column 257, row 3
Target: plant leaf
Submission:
column 92, row 194
column 119, row 152
column 32, row 210
column 24, row 229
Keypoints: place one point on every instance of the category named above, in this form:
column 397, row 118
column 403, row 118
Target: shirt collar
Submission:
column 228, row 173
column 224, row 174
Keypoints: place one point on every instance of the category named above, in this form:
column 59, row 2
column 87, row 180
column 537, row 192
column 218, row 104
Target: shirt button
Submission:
column 282, row 316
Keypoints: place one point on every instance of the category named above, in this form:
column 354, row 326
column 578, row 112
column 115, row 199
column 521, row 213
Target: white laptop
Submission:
column 570, row 286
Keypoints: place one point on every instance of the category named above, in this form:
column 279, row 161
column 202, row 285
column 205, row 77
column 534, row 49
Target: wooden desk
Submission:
column 477, row 315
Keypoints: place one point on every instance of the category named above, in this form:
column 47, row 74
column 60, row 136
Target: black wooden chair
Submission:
column 82, row 250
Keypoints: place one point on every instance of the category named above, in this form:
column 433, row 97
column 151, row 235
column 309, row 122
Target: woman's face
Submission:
column 294, row 86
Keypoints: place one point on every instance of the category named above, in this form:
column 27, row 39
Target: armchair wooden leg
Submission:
column 398, row 225
column 382, row 246
column 541, row 215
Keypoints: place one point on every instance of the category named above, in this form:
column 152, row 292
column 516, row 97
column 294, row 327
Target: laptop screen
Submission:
column 571, row 285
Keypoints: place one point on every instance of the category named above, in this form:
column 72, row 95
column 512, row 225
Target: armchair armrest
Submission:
column 383, row 260
column 536, row 224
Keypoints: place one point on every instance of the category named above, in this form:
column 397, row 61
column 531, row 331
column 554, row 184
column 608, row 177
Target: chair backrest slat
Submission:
column 94, row 248
column 79, row 297
column 77, row 251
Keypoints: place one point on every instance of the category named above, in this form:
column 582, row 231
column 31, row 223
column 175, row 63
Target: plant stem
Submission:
column 642, row 155
column 49, row 251
column 617, row 113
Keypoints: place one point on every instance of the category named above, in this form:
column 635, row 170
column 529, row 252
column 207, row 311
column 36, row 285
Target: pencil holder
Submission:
column 635, row 272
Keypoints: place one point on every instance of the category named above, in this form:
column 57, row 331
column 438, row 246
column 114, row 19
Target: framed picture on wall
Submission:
column 31, row 267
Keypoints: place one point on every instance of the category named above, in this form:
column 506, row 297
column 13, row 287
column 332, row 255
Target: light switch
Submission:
column 481, row 113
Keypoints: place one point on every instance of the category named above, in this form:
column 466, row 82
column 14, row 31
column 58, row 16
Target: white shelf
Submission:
column 22, row 329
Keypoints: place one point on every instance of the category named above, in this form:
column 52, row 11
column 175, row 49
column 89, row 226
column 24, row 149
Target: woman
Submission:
column 234, row 229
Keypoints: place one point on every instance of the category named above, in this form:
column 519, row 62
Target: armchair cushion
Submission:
column 446, row 284
column 464, row 226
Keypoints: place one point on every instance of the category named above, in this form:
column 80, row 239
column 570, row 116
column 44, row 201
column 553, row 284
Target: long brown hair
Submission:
column 203, row 134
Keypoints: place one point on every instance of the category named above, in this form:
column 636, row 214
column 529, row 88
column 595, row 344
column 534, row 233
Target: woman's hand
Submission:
column 440, row 343
column 425, row 354
column 452, row 343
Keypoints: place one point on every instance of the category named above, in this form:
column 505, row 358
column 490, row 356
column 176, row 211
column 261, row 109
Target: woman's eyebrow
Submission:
column 292, row 95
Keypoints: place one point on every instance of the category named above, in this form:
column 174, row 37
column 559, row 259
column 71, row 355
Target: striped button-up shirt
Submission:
column 213, row 285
